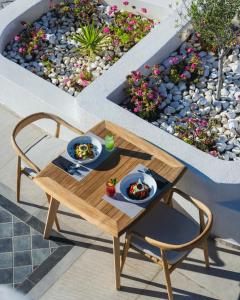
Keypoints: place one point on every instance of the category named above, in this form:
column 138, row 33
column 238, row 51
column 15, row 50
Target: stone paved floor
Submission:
column 90, row 273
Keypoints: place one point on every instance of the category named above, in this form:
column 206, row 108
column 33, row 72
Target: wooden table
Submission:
column 85, row 197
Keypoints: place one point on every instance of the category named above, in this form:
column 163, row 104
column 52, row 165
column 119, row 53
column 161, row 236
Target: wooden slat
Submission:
column 85, row 197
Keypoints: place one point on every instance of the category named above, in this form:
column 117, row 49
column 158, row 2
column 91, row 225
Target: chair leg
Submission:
column 167, row 277
column 56, row 218
column 125, row 250
column 19, row 173
column 205, row 251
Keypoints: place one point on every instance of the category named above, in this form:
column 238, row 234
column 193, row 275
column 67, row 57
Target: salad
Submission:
column 84, row 151
column 138, row 190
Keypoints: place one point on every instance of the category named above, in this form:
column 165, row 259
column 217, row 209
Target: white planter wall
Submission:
column 215, row 182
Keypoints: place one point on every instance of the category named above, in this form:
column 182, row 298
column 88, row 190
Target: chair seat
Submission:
column 167, row 225
column 43, row 152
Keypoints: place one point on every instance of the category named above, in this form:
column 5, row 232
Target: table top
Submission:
column 85, row 197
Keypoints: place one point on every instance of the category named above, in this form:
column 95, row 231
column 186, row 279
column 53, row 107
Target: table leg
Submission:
column 52, row 212
column 116, row 253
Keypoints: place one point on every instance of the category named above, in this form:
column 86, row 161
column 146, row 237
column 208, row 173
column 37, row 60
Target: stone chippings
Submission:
column 61, row 50
column 190, row 100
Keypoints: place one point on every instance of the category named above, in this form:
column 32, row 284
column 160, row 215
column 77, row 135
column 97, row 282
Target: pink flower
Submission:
column 84, row 82
column 132, row 22
column 147, row 67
column 193, row 66
column 114, row 8
column 156, row 72
column 139, row 92
column 21, row 50
column 35, row 46
column 129, row 28
column 147, row 27
column 125, row 3
column 106, row 30
column 136, row 109
column 144, row 10
column 184, row 56
column 183, row 76
column 130, row 15
column 187, row 68
column 108, row 58
column 198, row 131
column 150, row 96
column 145, row 85
column 173, row 60
column 203, row 123
column 17, row 38
column 190, row 50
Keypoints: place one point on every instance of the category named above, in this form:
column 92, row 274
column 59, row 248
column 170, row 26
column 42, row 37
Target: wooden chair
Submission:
column 166, row 236
column 38, row 155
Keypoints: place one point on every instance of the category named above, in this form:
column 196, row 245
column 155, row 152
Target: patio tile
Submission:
column 6, row 260
column 22, row 258
column 21, row 273
column 21, row 229
column 5, row 217
column 39, row 242
column 22, row 243
column 6, row 245
column 5, row 230
column 39, row 256
column 6, row 276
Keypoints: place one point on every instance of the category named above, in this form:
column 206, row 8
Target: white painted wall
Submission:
column 213, row 181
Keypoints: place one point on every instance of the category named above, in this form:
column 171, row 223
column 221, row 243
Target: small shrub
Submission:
column 186, row 67
column 91, row 40
column 144, row 98
column 198, row 132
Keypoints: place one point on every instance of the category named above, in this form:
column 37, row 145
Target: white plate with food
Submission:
column 138, row 187
column 84, row 149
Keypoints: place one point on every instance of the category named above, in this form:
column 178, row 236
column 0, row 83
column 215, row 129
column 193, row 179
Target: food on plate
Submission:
column 84, row 151
column 138, row 190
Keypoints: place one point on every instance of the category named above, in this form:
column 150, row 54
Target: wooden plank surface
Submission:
column 85, row 196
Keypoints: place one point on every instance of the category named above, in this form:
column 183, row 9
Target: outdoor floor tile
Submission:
column 22, row 258
column 21, row 229
column 39, row 255
column 6, row 276
column 5, row 230
column 5, row 217
column 21, row 273
column 6, row 245
column 39, row 242
column 6, row 260
column 22, row 243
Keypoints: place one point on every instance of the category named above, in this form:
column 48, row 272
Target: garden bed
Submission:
column 179, row 96
column 75, row 42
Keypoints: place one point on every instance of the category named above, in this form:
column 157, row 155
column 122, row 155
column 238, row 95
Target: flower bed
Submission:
column 179, row 96
column 77, row 41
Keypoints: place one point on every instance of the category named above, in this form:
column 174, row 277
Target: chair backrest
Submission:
column 33, row 118
column 205, row 227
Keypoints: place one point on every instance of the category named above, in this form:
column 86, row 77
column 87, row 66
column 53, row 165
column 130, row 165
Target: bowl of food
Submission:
column 138, row 187
column 84, row 149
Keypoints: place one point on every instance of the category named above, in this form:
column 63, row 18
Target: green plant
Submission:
column 213, row 21
column 91, row 40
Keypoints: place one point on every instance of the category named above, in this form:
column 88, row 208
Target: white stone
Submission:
column 224, row 92
column 202, row 102
column 221, row 146
column 235, row 67
column 169, row 110
column 233, row 124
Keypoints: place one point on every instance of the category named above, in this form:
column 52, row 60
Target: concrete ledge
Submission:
column 213, row 181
